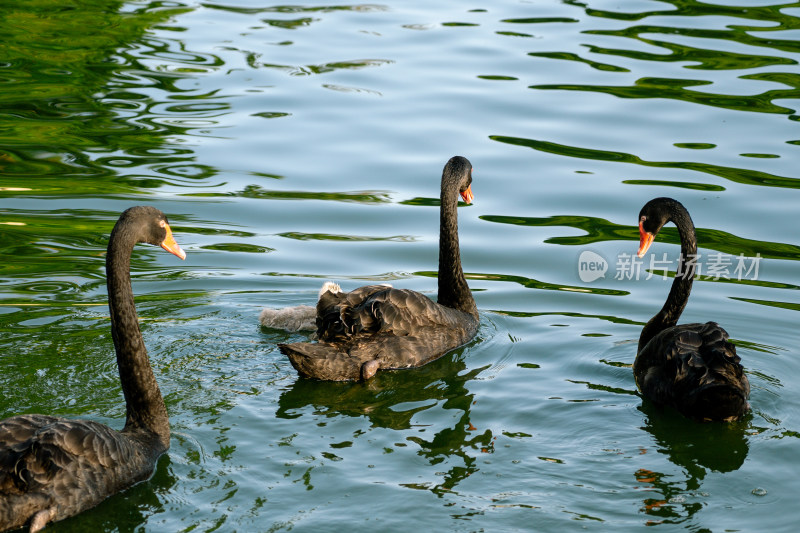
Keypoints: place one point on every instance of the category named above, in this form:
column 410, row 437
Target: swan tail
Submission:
column 361, row 358
column 35, row 510
column 321, row 361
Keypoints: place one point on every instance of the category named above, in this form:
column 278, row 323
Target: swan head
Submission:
column 151, row 226
column 459, row 169
column 653, row 216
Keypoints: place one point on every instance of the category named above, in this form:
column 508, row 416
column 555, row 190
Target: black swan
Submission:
column 52, row 468
column 377, row 327
column 692, row 367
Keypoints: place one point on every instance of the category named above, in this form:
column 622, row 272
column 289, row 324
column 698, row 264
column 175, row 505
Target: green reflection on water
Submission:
column 290, row 9
column 695, row 146
column 569, row 56
column 769, row 303
column 601, row 230
column 707, row 59
column 530, row 283
column 606, row 318
column 257, row 192
column 597, row 229
column 675, row 89
column 738, row 175
column 238, row 247
column 514, row 34
column 428, row 202
column 540, row 20
column 679, row 184
column 349, row 238
column 69, row 91
column 766, row 19
column 495, row 77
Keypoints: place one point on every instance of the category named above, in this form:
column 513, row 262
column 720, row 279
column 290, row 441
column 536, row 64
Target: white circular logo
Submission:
column 591, row 266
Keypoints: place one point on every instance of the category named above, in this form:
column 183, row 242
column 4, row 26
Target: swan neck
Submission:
column 144, row 403
column 681, row 287
column 453, row 289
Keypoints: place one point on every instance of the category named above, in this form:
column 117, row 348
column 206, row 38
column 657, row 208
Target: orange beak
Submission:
column 645, row 240
column 467, row 195
column 170, row 245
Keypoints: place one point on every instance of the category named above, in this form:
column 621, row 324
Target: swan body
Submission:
column 51, row 467
column 691, row 367
column 378, row 327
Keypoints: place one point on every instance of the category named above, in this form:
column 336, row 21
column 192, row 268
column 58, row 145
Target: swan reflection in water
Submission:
column 697, row 448
column 440, row 384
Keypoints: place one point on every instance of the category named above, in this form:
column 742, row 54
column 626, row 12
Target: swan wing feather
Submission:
column 345, row 361
column 378, row 308
column 695, row 368
column 72, row 464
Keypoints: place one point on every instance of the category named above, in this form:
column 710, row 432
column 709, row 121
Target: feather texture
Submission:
column 65, row 466
column 396, row 328
column 694, row 368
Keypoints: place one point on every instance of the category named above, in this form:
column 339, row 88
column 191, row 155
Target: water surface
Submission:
column 292, row 144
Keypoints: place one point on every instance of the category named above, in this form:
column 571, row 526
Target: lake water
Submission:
column 293, row 144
